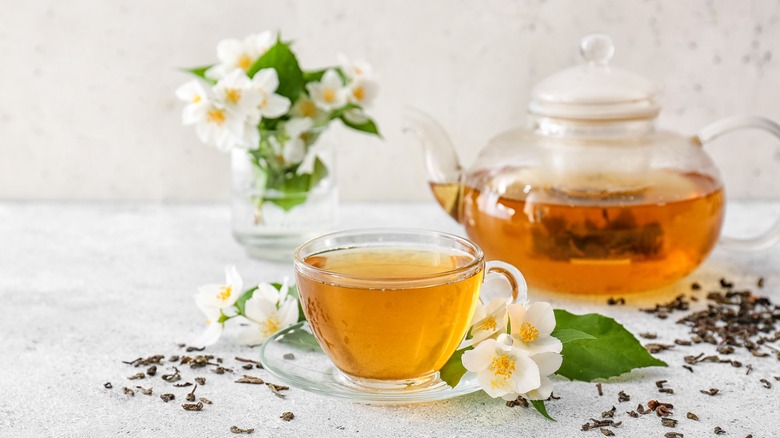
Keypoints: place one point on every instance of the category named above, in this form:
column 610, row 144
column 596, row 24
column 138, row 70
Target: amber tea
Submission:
column 381, row 319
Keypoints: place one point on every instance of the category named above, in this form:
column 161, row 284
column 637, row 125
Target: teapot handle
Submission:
column 723, row 126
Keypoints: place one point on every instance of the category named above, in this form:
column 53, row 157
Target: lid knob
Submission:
column 597, row 48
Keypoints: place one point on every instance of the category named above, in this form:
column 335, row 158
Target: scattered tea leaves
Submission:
column 190, row 349
column 726, row 284
column 657, row 348
column 688, row 367
column 711, row 391
column 616, row 301
column 695, row 286
column 191, row 396
column 205, row 400
column 606, row 432
column 128, row 391
column 683, row 342
column 760, row 282
column 192, row 406
column 151, row 360
column 200, row 380
column 222, row 370
column 152, row 370
column 144, row 391
column 519, row 401
column 108, row 385
column 609, row 414
column 236, row 429
column 660, row 383
column 623, row 397
column 173, row 377
column 632, row 414
column 247, row 366
column 167, row 397
column 673, row 435
column 765, row 383
column 251, row 380
column 137, row 376
column 668, row 422
column 749, row 369
column 287, row 416
column 648, row 335
column 641, row 409
column 276, row 389
column 599, row 389
column 182, row 385
column 666, row 390
column 692, row 416
column 719, row 431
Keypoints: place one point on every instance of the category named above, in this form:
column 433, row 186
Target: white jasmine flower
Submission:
column 354, row 70
column 329, row 93
column 362, row 92
column 305, row 107
column 488, row 320
column 501, row 368
column 217, row 125
column 271, row 105
column 197, row 96
column 237, row 92
column 268, row 311
column 295, row 147
column 213, row 326
column 548, row 364
column 237, row 54
column 531, row 327
column 220, row 296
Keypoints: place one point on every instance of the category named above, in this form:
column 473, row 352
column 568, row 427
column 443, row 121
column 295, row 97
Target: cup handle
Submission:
column 723, row 126
column 512, row 275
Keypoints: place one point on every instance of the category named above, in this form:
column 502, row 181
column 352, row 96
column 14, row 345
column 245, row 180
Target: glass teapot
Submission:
column 591, row 197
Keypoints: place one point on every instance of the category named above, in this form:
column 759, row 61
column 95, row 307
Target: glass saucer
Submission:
column 310, row 369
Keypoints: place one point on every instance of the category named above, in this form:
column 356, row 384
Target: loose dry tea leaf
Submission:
column 648, row 335
column 666, row 390
column 760, row 282
column 276, row 388
column 173, row 377
column 663, row 310
column 765, row 383
column 660, row 383
column 719, row 431
column 599, row 389
column 692, row 416
column 726, row 349
column 623, row 397
column 192, row 406
column 152, row 370
column 607, row 432
column 749, row 369
column 173, row 358
column 151, row 360
column 128, row 391
column 688, row 367
column 222, row 370
column 241, row 359
column 663, row 411
column 191, row 349
column 191, row 396
column 205, row 400
column 695, row 286
column 200, row 380
column 632, row 414
column 726, row 284
column 288, row 356
column 657, row 348
column 519, row 401
column 552, row 397
column 137, row 376
column 673, row 435
column 711, row 391
column 251, row 380
column 668, row 422
column 167, row 397
column 108, row 385
column 683, row 342
column 287, row 416
column 641, row 409
column 182, row 385
column 776, row 378
column 595, row 424
column 608, row 414
column 615, row 301
column 248, row 366
column 235, row 429
column 145, row 391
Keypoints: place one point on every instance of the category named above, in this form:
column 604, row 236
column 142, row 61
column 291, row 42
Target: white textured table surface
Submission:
column 84, row 286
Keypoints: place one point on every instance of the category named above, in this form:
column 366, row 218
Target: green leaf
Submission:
column 200, row 72
column 614, row 351
column 453, row 370
column 241, row 302
column 319, row 172
column 571, row 335
column 282, row 59
column 301, row 339
column 539, row 405
column 369, row 126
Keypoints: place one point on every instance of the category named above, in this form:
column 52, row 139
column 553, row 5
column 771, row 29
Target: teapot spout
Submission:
column 441, row 161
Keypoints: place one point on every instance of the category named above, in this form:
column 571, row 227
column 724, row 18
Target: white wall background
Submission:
column 86, row 87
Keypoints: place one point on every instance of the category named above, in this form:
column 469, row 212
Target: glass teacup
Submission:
column 390, row 306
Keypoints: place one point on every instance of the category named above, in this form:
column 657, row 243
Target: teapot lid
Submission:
column 595, row 90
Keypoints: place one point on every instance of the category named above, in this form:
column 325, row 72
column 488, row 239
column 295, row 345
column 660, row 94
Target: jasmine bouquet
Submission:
column 258, row 99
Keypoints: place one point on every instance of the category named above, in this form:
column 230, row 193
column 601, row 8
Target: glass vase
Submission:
column 270, row 223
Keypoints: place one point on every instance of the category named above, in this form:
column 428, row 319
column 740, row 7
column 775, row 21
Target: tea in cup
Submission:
column 390, row 306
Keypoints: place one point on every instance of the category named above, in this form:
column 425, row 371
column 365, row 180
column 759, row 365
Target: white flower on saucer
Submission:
column 531, row 326
column 213, row 326
column 329, row 93
column 501, row 368
column 271, row 105
column 220, row 296
column 268, row 311
column 197, row 96
column 489, row 320
column 237, row 54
